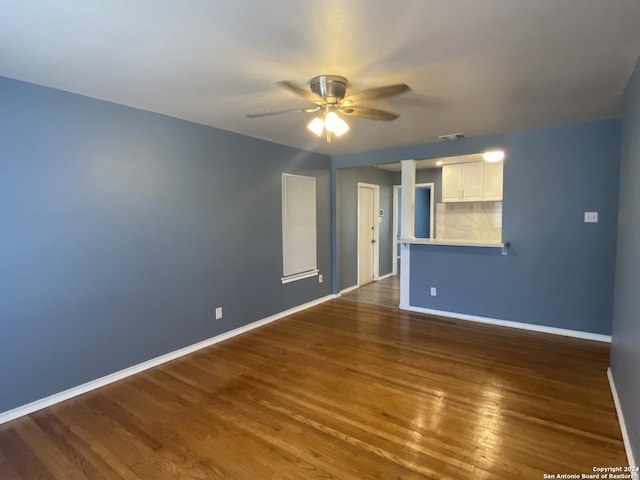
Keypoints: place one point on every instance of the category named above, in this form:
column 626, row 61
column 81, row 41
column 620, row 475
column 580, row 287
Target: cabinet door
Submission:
column 451, row 185
column 472, row 181
column 493, row 181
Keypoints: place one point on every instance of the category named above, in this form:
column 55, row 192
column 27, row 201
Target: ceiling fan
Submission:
column 328, row 94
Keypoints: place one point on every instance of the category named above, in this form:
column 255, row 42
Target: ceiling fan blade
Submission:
column 376, row 93
column 368, row 113
column 307, row 94
column 268, row 114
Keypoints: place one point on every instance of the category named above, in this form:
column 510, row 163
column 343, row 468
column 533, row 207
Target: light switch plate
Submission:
column 590, row 217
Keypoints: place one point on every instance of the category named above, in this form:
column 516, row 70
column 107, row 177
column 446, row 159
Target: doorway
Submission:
column 368, row 232
column 424, row 217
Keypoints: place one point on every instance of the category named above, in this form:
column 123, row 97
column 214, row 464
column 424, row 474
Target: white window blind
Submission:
column 299, row 258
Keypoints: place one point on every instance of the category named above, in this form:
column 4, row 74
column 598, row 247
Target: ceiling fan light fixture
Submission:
column 327, row 93
column 316, row 126
column 336, row 125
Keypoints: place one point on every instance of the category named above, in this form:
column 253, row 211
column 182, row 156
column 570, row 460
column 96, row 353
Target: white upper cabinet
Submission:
column 492, row 181
column 452, row 183
column 472, row 182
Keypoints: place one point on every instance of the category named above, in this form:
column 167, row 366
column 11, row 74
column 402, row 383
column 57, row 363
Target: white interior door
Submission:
column 367, row 234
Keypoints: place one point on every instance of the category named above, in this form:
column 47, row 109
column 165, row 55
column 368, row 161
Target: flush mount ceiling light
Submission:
column 493, row 156
column 328, row 94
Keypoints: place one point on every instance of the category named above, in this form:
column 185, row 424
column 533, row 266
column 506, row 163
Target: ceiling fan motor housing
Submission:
column 330, row 87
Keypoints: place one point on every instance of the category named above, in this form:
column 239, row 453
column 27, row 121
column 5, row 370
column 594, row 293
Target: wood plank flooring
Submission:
column 341, row 391
column 384, row 292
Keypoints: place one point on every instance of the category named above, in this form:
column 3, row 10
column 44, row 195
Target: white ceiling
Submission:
column 475, row 66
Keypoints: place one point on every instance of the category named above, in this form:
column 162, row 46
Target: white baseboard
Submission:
column 385, row 276
column 507, row 323
column 623, row 425
column 344, row 291
column 127, row 372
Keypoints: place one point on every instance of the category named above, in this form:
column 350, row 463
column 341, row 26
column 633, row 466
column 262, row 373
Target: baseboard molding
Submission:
column 344, row 291
column 508, row 323
column 154, row 362
column 385, row 276
column 623, row 425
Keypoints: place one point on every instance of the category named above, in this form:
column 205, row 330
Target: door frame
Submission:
column 394, row 242
column 376, row 230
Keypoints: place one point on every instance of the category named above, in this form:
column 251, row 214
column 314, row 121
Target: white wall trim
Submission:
column 385, row 276
column 344, row 291
column 154, row 362
column 407, row 207
column 394, row 238
column 299, row 276
column 511, row 324
column 405, row 277
column 623, row 426
column 432, row 210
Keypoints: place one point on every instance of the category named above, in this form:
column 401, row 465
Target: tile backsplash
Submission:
column 480, row 221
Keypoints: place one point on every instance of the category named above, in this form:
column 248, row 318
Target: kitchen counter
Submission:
column 456, row 243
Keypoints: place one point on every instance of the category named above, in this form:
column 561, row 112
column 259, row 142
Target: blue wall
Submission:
column 426, row 175
column 347, row 221
column 559, row 271
column 422, row 214
column 122, row 230
column 625, row 349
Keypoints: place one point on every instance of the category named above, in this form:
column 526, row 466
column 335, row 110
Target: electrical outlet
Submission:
column 590, row 217
column 320, row 278
column 218, row 313
column 433, row 291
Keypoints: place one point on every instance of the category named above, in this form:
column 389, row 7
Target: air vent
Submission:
column 451, row 137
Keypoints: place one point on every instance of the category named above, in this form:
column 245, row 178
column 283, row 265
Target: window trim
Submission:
column 313, row 271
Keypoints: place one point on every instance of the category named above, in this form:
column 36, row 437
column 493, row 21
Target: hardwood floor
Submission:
column 341, row 391
column 385, row 293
